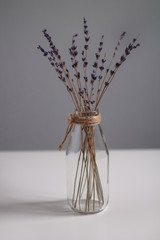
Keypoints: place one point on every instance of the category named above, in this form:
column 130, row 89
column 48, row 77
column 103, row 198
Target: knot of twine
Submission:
column 83, row 120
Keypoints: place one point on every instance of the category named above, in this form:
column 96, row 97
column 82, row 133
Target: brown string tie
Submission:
column 85, row 119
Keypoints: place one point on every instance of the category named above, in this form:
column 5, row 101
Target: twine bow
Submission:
column 85, row 120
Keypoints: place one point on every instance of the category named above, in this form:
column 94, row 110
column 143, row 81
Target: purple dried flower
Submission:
column 122, row 35
column 75, row 53
column 73, row 48
column 97, row 56
column 117, row 64
column 62, row 78
column 86, row 79
column 101, row 68
column 86, row 47
column 63, row 73
column 45, row 54
column 130, row 47
column 85, row 64
column 59, row 57
column 87, row 39
column 62, row 64
column 84, row 20
column 86, row 32
column 127, row 52
column 106, row 84
column 93, row 77
column 42, row 50
column 74, row 65
column 95, row 65
column 78, row 75
column 123, row 58
column 103, row 60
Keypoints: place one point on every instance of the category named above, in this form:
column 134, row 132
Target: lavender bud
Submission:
column 73, row 47
column 85, row 64
column 93, row 77
column 123, row 58
column 84, row 20
column 117, row 64
column 130, row 47
column 75, row 53
column 101, row 68
column 87, row 39
column 86, row 47
column 111, row 72
column 45, row 54
column 78, row 75
column 86, row 79
column 127, row 52
column 97, row 56
column 106, row 84
column 95, row 65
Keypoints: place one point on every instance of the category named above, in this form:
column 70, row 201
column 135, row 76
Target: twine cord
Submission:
column 83, row 120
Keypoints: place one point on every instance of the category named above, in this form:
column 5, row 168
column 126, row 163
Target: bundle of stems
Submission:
column 87, row 99
column 87, row 191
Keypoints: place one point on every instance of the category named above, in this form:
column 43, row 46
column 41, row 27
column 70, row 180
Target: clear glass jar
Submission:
column 87, row 169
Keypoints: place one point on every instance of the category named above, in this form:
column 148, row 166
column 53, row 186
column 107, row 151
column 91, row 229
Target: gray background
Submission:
column 34, row 104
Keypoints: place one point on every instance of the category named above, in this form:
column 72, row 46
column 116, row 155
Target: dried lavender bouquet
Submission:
column 87, row 189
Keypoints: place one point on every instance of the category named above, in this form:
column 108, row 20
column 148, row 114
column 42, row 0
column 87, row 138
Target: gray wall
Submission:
column 34, row 104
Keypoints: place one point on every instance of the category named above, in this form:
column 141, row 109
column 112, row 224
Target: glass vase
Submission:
column 87, row 169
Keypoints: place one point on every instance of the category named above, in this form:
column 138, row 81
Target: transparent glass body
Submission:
column 87, row 169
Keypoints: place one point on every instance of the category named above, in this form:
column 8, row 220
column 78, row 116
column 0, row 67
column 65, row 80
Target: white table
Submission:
column 33, row 198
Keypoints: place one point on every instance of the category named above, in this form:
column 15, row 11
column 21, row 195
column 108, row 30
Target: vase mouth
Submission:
column 87, row 114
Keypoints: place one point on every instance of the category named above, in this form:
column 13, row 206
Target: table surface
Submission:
column 33, row 202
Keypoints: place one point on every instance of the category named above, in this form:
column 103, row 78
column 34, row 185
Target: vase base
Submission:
column 84, row 208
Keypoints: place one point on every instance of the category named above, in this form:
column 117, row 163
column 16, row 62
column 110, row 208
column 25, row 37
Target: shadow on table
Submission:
column 58, row 208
